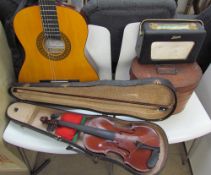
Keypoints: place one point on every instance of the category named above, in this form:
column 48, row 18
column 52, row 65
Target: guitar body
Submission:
column 39, row 64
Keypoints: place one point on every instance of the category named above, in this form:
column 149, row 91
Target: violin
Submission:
column 138, row 146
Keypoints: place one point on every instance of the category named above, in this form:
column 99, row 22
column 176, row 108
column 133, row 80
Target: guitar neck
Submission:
column 49, row 19
column 108, row 135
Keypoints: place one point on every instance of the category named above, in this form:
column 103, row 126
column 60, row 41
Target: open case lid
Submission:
column 148, row 99
column 151, row 135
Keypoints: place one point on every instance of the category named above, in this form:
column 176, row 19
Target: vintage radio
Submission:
column 169, row 41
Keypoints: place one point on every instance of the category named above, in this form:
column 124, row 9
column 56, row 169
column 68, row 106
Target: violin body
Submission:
column 125, row 143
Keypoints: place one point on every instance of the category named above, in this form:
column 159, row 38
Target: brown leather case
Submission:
column 28, row 115
column 184, row 77
column 149, row 99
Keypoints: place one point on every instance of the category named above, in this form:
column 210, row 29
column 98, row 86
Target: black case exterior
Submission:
column 147, row 36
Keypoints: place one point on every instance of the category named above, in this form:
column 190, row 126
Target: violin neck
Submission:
column 108, row 135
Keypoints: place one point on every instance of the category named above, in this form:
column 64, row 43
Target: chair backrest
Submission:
column 116, row 14
column 6, row 77
column 204, row 90
column 99, row 54
column 204, row 57
column 128, row 52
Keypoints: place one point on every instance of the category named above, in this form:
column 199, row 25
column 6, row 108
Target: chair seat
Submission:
column 29, row 139
column 190, row 124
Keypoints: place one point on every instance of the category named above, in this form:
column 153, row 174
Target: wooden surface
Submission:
column 36, row 67
column 10, row 161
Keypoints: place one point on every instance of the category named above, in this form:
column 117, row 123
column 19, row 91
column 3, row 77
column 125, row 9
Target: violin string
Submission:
column 130, row 137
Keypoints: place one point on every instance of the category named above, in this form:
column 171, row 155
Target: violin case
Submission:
column 147, row 99
column 150, row 99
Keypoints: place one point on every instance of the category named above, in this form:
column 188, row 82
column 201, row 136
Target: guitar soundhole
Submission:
column 54, row 49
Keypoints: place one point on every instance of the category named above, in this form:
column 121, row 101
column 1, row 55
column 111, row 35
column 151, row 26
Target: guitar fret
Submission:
column 50, row 15
column 49, row 18
column 53, row 31
column 43, row 5
column 54, row 34
column 54, row 19
column 50, row 24
column 48, row 10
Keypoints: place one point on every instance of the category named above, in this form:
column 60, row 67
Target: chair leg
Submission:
column 37, row 170
column 110, row 168
column 190, row 151
column 33, row 171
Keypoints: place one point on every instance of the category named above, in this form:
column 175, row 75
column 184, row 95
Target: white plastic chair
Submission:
column 191, row 123
column 98, row 48
column 200, row 157
column 127, row 53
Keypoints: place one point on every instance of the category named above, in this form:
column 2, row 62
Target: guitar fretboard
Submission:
column 49, row 19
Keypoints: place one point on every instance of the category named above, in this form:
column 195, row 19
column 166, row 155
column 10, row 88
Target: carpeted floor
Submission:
column 80, row 164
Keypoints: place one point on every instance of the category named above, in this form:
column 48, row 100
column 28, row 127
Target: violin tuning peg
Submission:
column 55, row 116
column 50, row 128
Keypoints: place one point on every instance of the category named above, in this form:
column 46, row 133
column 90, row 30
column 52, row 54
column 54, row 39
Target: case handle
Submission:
column 168, row 69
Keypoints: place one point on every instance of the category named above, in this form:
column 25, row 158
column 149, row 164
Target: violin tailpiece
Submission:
column 154, row 155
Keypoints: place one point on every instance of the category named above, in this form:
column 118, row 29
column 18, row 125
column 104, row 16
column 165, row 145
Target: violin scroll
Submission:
column 52, row 124
column 44, row 119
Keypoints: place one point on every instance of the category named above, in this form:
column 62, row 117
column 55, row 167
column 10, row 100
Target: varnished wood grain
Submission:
column 36, row 67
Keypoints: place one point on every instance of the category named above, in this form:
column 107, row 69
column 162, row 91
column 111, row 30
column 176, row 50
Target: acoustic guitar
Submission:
column 53, row 37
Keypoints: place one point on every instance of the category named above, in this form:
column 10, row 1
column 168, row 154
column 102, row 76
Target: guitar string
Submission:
column 55, row 27
column 51, row 30
column 45, row 28
column 51, row 8
column 47, row 33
